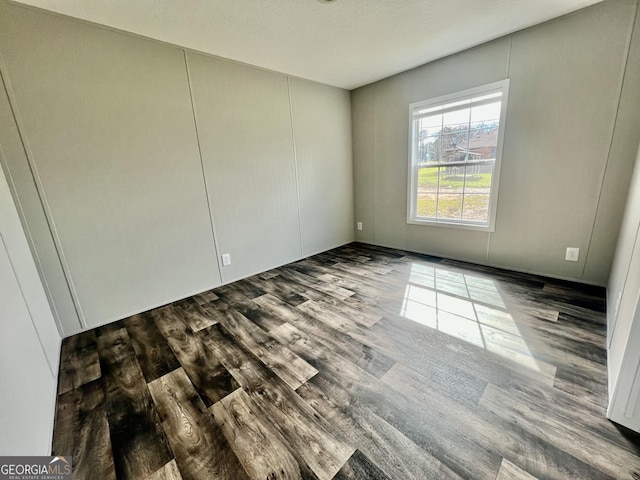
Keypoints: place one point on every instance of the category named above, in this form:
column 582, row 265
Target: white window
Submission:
column 455, row 145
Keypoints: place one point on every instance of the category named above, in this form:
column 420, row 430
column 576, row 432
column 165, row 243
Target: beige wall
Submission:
column 566, row 160
column 18, row 172
column 244, row 127
column 149, row 162
column 321, row 118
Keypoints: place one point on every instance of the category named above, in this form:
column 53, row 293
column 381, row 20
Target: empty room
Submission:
column 318, row 239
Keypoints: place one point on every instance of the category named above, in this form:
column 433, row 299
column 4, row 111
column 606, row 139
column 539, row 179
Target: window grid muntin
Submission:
column 485, row 199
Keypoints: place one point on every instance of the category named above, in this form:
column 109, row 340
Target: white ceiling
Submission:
column 346, row 43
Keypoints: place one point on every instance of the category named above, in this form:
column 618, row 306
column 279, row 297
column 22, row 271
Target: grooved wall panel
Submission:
column 565, row 83
column 626, row 136
column 321, row 117
column 32, row 215
column 244, row 126
column 108, row 119
column 390, row 150
column 363, row 177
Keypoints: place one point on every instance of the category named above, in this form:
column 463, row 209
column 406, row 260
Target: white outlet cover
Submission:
column 226, row 259
column 359, row 225
column 573, row 253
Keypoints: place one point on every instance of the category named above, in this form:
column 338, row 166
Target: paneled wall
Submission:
column 31, row 343
column 37, row 230
column 142, row 163
column 244, row 124
column 324, row 166
column 569, row 146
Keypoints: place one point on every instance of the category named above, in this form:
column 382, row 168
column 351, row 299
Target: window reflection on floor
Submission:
column 467, row 307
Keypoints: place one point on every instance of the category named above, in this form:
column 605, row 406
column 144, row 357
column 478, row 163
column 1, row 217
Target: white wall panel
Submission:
column 27, row 276
column 26, row 414
column 244, row 126
column 29, row 353
column 321, row 118
column 22, row 183
column 109, row 123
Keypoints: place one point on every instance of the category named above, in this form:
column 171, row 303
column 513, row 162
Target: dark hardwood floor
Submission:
column 358, row 363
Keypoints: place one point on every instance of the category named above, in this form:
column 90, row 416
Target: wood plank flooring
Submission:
column 358, row 363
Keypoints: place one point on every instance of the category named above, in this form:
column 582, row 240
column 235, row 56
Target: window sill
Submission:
column 459, row 226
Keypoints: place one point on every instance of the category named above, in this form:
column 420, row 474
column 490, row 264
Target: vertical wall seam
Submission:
column 295, row 165
column 30, row 240
column 353, row 168
column 373, row 160
column 409, row 162
column 508, row 65
column 507, row 73
column 75, row 300
column 202, row 169
column 614, row 123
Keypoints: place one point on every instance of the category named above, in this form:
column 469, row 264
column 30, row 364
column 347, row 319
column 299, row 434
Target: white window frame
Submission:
column 412, row 217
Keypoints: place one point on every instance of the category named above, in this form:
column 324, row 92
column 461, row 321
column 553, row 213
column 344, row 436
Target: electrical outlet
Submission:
column 226, row 259
column 573, row 253
column 359, row 225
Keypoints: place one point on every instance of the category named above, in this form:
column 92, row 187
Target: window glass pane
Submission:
column 427, row 205
column 449, row 206
column 430, row 149
column 478, row 178
column 483, row 143
column 452, row 180
column 430, row 125
column 485, row 114
column 428, row 179
column 456, row 119
column 455, row 145
column 476, row 207
column 427, row 194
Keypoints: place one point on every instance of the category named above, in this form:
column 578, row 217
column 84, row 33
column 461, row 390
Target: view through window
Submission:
column 455, row 151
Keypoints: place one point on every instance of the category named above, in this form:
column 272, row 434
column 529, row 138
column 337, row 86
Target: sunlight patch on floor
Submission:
column 466, row 307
